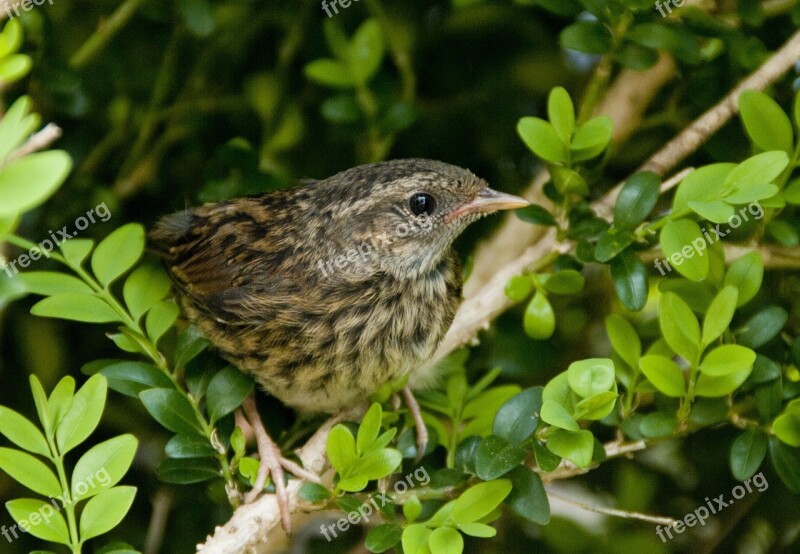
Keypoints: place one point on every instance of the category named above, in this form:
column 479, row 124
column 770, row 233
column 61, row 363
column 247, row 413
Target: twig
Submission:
column 252, row 523
column 712, row 120
column 484, row 304
column 104, row 33
column 38, row 141
column 162, row 504
column 613, row 511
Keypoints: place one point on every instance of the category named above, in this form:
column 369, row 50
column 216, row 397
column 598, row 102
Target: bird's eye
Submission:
column 422, row 202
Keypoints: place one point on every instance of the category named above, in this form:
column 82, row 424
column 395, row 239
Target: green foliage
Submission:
column 67, row 419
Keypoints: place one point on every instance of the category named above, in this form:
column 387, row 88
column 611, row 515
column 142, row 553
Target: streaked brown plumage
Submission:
column 259, row 276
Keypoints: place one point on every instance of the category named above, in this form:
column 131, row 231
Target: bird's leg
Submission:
column 416, row 413
column 272, row 464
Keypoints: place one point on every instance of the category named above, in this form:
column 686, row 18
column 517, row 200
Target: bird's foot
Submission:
column 272, row 465
column 416, row 414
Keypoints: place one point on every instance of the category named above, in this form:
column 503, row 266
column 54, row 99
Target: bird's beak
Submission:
column 488, row 201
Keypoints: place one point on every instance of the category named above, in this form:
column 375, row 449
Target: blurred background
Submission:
column 171, row 103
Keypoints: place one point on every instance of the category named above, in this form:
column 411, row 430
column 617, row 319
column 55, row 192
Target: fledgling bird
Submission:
column 327, row 291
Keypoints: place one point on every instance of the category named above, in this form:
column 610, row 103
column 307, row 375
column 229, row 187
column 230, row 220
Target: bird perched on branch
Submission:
column 327, row 291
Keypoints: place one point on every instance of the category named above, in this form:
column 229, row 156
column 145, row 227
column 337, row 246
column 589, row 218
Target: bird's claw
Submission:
column 416, row 414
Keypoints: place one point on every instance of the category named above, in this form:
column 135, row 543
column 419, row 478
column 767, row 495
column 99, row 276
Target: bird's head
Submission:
column 402, row 216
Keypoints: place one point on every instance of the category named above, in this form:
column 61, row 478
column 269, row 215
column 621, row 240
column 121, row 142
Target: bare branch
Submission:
column 613, row 511
column 38, row 141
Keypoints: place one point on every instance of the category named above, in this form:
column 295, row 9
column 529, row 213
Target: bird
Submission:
column 326, row 291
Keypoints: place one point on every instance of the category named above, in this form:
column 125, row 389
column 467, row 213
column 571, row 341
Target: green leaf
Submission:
column 376, row 464
column 568, row 181
column 40, row 400
column 719, row 315
column 658, row 425
column 480, row 530
column 727, row 359
column 193, row 446
column 611, row 243
column 105, row 511
column 185, row 471
column 679, row 326
column 518, row 417
column 701, row 185
column 76, row 250
column 412, row 509
column 762, row 327
column 757, row 170
column 555, row 414
column 32, row 511
column 366, row 51
column 539, row 320
column 591, row 138
column 446, row 540
column 716, row 211
column 596, row 406
column 415, row 539
column 171, row 409
column 678, row 40
column 575, row 446
column 383, row 537
column 624, row 339
column 765, row 122
column 103, row 466
column 226, row 392
column 314, row 493
column 786, row 462
column 190, row 343
column 130, row 378
column 591, row 376
column 146, row 287
column 18, row 123
column 567, row 281
column 49, row 283
column 787, row 425
column 783, row 232
column 539, row 215
column 118, row 252
column 747, row 453
column 591, row 37
column 369, row 429
column 22, row 432
column 791, row 193
column 561, row 113
column 14, row 67
column 713, row 387
column 496, row 457
column 28, row 181
column 518, row 288
column 636, row 199
column 160, row 319
column 528, row 497
column 684, row 246
column 542, row 139
column 331, row 73
column 76, row 306
column 746, row 274
column 83, row 415
column 479, row 501
column 341, row 448
column 630, row 280
column 29, row 472
column 665, row 375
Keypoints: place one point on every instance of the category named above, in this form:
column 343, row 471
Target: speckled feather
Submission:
column 251, row 273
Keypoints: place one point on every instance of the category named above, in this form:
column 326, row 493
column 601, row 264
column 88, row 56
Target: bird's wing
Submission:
column 227, row 260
